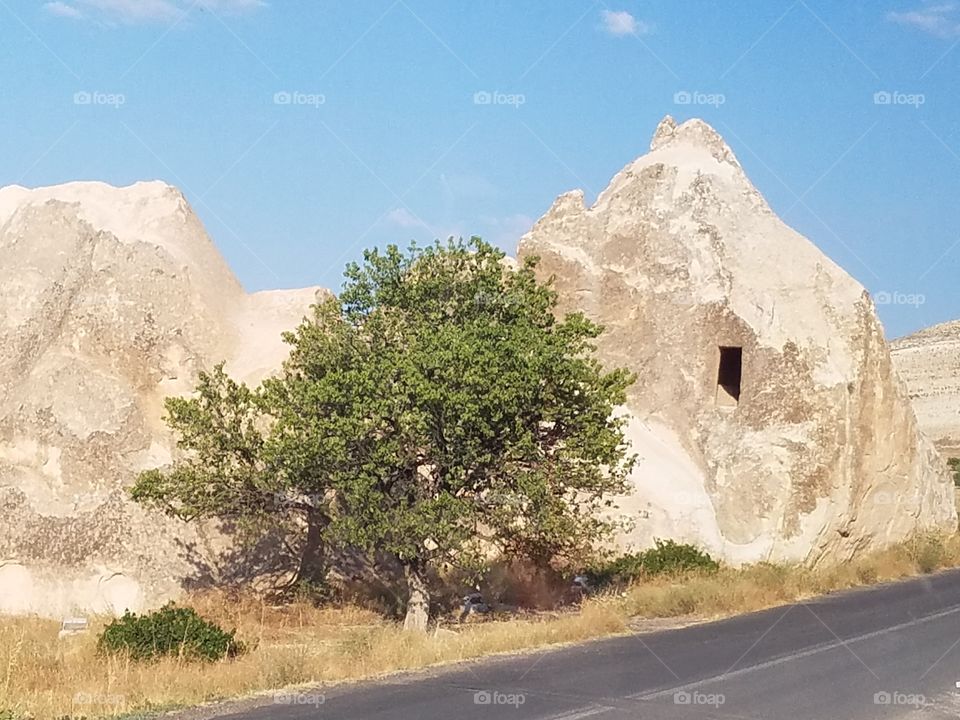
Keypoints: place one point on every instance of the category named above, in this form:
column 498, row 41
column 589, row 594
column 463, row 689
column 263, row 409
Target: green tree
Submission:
column 437, row 412
column 464, row 416
column 235, row 467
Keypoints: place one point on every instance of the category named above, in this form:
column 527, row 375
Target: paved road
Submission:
column 888, row 652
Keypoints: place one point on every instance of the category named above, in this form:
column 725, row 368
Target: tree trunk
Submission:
column 313, row 566
column 418, row 600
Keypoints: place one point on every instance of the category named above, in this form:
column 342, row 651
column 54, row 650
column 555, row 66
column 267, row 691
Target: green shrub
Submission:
column 670, row 557
column 170, row 631
column 928, row 551
column 665, row 558
column 954, row 464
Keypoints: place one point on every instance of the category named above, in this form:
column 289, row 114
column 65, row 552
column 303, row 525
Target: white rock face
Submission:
column 929, row 362
column 111, row 299
column 821, row 455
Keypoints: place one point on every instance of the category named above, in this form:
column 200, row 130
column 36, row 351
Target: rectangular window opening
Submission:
column 729, row 376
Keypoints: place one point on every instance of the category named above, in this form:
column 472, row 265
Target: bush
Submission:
column 954, row 464
column 928, row 551
column 170, row 631
column 665, row 558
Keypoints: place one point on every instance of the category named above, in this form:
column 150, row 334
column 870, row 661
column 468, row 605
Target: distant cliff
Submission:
column 929, row 362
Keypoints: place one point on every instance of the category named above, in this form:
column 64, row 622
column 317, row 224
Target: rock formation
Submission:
column 767, row 414
column 111, row 299
column 929, row 362
column 768, row 417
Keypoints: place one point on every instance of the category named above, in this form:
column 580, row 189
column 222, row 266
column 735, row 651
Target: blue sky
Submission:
column 303, row 131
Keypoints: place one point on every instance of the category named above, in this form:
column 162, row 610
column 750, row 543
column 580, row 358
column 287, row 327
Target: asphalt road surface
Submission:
column 891, row 651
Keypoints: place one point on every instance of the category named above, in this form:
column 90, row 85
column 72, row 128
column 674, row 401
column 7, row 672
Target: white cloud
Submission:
column 61, row 9
column 506, row 231
column 402, row 217
column 937, row 19
column 621, row 23
column 117, row 11
column 139, row 12
column 232, row 6
column 466, row 186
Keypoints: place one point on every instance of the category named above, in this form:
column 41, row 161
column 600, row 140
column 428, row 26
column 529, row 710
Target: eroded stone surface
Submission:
column 822, row 456
column 111, row 299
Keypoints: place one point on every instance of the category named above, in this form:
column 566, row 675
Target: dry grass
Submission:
column 42, row 677
column 761, row 586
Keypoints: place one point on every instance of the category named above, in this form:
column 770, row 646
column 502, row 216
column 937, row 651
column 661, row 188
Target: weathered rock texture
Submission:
column 822, row 455
column 110, row 300
column 929, row 362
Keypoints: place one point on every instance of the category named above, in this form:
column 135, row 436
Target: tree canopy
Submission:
column 438, row 407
